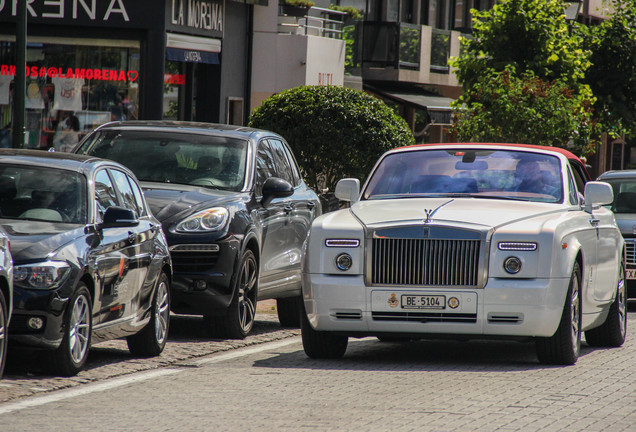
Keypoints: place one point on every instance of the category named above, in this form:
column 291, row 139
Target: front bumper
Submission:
column 202, row 280
column 49, row 306
column 503, row 308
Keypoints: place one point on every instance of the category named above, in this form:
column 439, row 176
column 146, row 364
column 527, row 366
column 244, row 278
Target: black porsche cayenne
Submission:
column 234, row 208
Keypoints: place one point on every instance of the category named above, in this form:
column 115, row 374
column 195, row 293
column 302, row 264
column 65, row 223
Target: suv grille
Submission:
column 193, row 262
column 428, row 262
column 630, row 249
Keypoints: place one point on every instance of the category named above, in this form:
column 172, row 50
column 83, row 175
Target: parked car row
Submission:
column 456, row 240
column 148, row 217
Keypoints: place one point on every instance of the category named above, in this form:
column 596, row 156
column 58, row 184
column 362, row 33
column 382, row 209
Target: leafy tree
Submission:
column 334, row 131
column 521, row 74
column 526, row 109
column 612, row 76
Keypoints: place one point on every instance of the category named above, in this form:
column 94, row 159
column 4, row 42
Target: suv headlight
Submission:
column 212, row 219
column 44, row 275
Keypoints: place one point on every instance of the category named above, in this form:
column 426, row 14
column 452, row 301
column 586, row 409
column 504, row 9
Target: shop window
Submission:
column 73, row 86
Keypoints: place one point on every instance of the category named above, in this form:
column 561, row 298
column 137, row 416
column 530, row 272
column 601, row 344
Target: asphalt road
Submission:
column 267, row 383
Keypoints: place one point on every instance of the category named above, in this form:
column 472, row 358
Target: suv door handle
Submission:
column 288, row 209
column 311, row 205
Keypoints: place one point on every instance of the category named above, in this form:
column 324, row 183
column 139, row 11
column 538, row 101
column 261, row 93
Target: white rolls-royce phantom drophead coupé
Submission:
column 473, row 241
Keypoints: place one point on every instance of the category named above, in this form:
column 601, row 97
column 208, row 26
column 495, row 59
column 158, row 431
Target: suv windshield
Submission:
column 503, row 174
column 182, row 158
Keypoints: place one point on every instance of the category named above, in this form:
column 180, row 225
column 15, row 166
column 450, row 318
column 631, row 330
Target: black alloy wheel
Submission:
column 239, row 317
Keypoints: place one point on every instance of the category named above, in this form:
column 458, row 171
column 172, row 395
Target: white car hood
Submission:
column 486, row 213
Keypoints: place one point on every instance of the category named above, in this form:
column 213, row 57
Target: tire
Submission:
column 612, row 332
column 564, row 346
column 321, row 344
column 151, row 340
column 69, row 358
column 4, row 335
column 239, row 318
column 289, row 310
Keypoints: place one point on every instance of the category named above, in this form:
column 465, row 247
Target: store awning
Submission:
column 438, row 107
column 192, row 49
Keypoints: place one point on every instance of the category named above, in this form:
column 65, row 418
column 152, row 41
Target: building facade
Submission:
column 102, row 60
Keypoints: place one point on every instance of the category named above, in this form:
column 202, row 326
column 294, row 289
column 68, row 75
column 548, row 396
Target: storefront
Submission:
column 92, row 61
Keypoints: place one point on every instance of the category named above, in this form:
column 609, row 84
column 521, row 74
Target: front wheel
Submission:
column 321, row 344
column 612, row 332
column 69, row 358
column 151, row 340
column 239, row 318
column 564, row 346
column 4, row 326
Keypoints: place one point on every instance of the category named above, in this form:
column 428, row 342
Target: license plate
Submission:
column 630, row 274
column 423, row 302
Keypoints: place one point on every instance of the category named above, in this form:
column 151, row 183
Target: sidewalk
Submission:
column 187, row 340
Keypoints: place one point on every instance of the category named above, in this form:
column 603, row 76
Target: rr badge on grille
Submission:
column 393, row 301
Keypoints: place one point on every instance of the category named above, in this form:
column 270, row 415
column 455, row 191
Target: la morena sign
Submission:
column 73, row 73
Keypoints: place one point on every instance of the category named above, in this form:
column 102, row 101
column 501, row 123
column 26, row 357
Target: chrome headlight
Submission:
column 44, row 275
column 212, row 219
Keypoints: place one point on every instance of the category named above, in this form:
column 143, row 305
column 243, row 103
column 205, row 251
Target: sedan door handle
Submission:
column 132, row 237
column 595, row 222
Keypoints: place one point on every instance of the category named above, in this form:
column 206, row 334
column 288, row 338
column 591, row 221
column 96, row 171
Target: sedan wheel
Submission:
column 71, row 355
column 4, row 319
column 564, row 346
column 151, row 340
column 612, row 332
column 239, row 319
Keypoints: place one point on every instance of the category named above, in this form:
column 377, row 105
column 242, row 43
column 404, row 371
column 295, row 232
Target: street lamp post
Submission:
column 19, row 83
column 571, row 9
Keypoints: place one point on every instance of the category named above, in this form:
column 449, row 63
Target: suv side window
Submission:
column 265, row 166
column 284, row 168
column 139, row 197
column 105, row 195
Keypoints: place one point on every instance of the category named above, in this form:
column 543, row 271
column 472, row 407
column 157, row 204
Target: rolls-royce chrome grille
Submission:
column 429, row 262
column 630, row 251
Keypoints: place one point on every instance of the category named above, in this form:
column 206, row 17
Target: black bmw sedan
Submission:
column 234, row 208
column 91, row 263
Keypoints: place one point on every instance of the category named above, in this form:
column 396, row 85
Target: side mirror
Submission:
column 597, row 194
column 348, row 189
column 119, row 217
column 275, row 187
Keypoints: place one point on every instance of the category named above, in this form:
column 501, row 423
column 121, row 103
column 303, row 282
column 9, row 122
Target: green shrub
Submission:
column 334, row 132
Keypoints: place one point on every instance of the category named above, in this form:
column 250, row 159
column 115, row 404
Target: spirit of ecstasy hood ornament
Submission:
column 431, row 212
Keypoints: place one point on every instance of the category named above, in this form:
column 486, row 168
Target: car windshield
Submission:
column 181, row 158
column 502, row 174
column 624, row 195
column 43, row 194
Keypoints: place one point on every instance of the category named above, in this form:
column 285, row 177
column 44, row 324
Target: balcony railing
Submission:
column 317, row 21
column 391, row 44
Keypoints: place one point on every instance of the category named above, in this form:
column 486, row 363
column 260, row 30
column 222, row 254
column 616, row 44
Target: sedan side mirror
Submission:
column 348, row 189
column 597, row 194
column 119, row 217
column 275, row 187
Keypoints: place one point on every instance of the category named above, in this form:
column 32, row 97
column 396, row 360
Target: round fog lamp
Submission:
column 512, row 265
column 344, row 261
column 35, row 323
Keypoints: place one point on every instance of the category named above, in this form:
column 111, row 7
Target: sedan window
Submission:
column 42, row 193
column 105, row 194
